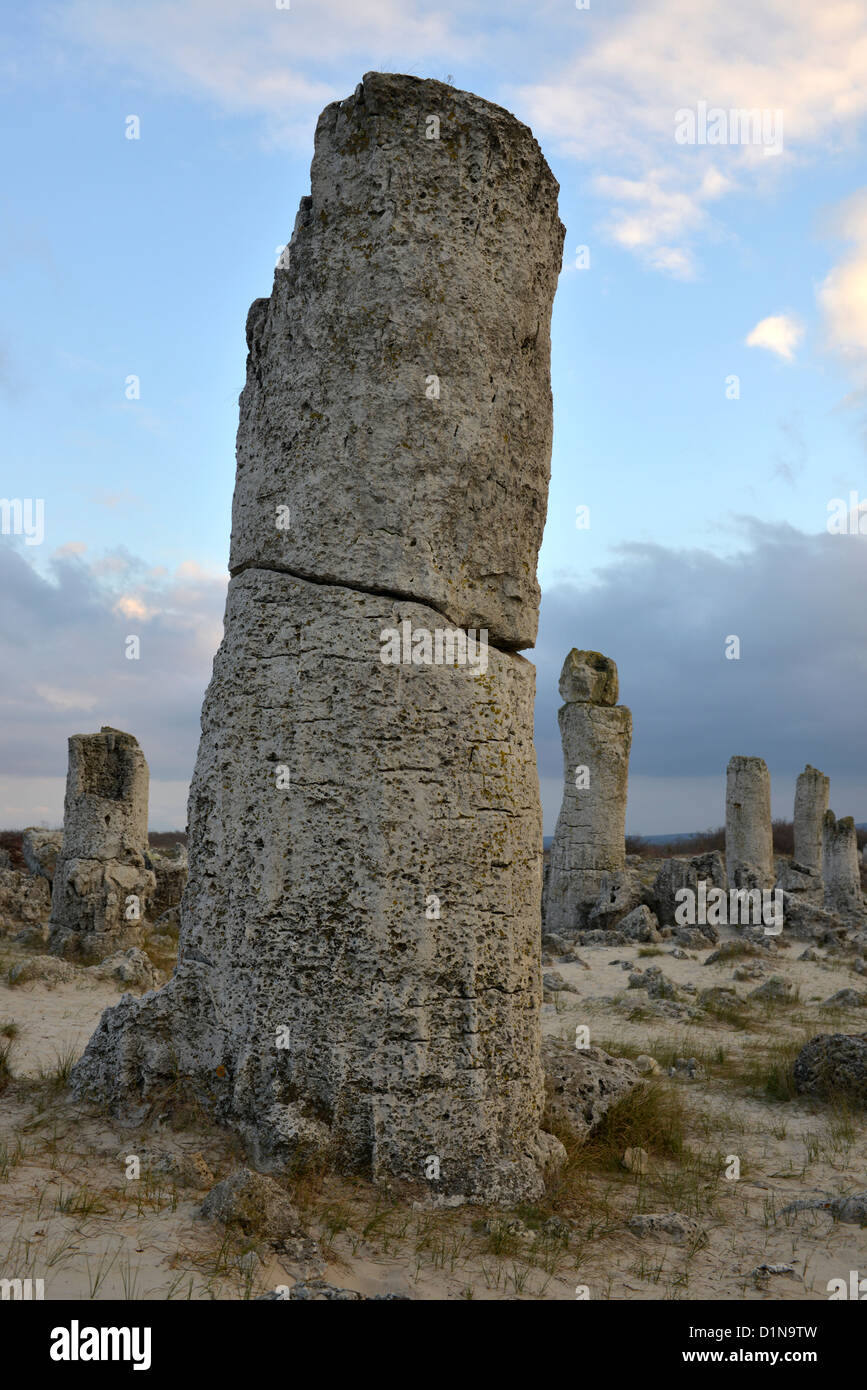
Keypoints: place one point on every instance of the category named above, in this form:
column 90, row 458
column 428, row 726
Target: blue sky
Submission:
column 124, row 257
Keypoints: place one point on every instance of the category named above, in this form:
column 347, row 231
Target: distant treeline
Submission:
column 707, row 840
column 11, row 840
column 162, row 839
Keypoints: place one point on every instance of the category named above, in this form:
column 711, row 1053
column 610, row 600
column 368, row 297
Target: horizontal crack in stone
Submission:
column 360, row 589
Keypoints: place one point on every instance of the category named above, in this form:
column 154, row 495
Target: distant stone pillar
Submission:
column 102, row 884
column 749, row 836
column 590, row 840
column 811, row 802
column 840, row 868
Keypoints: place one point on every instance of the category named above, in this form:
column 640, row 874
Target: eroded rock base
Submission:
column 359, row 951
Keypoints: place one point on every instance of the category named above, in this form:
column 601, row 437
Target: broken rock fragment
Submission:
column 102, row 885
column 581, row 1084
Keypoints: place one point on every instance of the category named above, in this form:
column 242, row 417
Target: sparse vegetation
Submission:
column 736, row 950
column 57, row 1078
column 767, row 1071
column 164, row 839
column 704, row 841
column 5, row 1066
column 737, row 1098
column 11, row 840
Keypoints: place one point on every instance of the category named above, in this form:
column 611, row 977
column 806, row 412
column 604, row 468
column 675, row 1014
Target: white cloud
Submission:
column 614, row 79
column 62, row 699
column 70, row 672
column 249, row 57
column 650, row 214
column 614, row 100
column 673, row 260
column 132, row 607
column 779, row 333
column 842, row 296
column 619, row 93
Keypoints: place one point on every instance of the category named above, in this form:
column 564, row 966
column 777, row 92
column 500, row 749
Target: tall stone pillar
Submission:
column 812, row 791
column 102, row 883
column 589, row 847
column 749, row 836
column 359, row 965
column 840, row 868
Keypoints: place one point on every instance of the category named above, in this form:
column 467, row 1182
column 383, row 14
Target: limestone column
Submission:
column 811, row 802
column 840, row 868
column 359, row 964
column 589, row 846
column 749, row 837
column 102, row 883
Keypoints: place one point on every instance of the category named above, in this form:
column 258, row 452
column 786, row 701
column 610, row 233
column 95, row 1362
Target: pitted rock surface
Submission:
column 373, row 1000
column 102, row 886
column 170, row 867
column 588, row 678
column 833, row 1065
column 25, row 900
column 840, row 867
column 582, row 1084
column 749, row 837
column 359, row 966
column 416, row 266
column 812, row 790
column 40, row 849
column 677, row 874
column 588, row 883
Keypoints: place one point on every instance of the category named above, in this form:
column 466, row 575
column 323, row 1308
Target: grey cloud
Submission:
column 796, row 695
column 65, row 669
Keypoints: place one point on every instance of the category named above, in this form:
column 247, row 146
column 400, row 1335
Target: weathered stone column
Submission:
column 102, row 884
column 749, row 836
column 589, row 846
column 359, row 960
column 812, row 791
column 840, row 868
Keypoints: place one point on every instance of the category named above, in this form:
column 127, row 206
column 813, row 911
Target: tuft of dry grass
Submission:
column 651, row 1117
column 737, row 1015
column 56, row 1079
column 735, row 950
column 163, row 956
column 5, row 1067
column 768, row 1071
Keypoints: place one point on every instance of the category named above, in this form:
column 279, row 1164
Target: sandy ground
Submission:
column 70, row 1215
